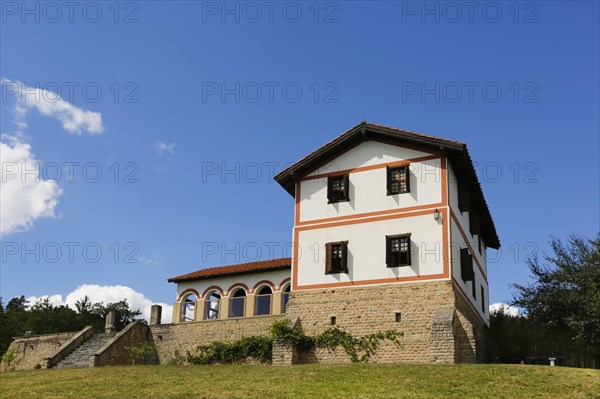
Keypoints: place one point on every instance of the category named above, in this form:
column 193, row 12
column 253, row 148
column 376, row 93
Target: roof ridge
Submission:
column 240, row 268
column 413, row 132
column 247, row 263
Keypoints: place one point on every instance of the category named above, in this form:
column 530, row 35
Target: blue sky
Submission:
column 189, row 90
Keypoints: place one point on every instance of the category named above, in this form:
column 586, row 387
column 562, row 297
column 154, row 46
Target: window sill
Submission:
column 401, row 192
column 335, row 202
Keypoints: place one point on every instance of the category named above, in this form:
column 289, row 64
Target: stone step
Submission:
column 80, row 357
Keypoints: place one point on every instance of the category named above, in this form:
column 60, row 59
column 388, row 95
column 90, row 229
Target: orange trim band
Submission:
column 236, row 285
column 445, row 244
column 213, row 288
column 297, row 206
column 188, row 291
column 375, row 281
column 284, row 282
column 370, row 214
column 370, row 167
column 390, row 142
column 263, row 282
column 396, row 215
column 379, row 216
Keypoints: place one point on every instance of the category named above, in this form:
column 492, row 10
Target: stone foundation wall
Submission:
column 31, row 351
column 115, row 351
column 364, row 310
column 183, row 337
column 470, row 333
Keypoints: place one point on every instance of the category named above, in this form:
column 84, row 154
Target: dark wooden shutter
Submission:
column 482, row 300
column 407, row 177
column 464, row 196
column 388, row 177
column 328, row 258
column 466, row 265
column 344, row 266
column 329, row 190
column 388, row 251
column 346, row 187
column 409, row 250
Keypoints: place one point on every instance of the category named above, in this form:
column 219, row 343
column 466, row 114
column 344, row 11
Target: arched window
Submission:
column 263, row 302
column 212, row 301
column 237, row 303
column 188, row 307
column 285, row 297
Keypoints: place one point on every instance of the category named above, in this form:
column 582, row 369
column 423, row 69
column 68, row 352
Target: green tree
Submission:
column 42, row 317
column 565, row 293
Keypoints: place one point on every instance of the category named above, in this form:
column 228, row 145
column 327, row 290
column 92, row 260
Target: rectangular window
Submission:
column 466, row 265
column 479, row 244
column 482, row 299
column 284, row 301
column 474, row 289
column 398, row 180
column 397, row 250
column 263, row 305
column 237, row 307
column 337, row 188
column 336, row 257
column 211, row 309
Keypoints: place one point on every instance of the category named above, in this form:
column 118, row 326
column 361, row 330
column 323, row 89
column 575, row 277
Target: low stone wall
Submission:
column 28, row 352
column 365, row 310
column 115, row 351
column 182, row 337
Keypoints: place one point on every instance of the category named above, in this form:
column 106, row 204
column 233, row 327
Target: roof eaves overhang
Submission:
column 457, row 153
column 189, row 277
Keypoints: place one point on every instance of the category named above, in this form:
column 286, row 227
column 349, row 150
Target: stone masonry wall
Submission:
column 470, row 333
column 181, row 337
column 364, row 310
column 32, row 350
column 115, row 351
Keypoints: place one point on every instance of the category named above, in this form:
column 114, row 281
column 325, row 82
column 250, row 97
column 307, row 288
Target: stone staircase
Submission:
column 80, row 357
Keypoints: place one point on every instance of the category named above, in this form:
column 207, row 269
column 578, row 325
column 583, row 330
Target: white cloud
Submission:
column 110, row 294
column 55, row 300
column 74, row 120
column 162, row 147
column 509, row 310
column 24, row 196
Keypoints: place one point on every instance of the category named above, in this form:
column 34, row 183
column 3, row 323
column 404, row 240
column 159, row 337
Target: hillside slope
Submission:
column 306, row 381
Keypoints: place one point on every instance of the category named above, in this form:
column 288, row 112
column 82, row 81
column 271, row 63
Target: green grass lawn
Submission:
column 305, row 381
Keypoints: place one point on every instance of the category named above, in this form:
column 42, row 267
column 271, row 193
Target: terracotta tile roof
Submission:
column 243, row 268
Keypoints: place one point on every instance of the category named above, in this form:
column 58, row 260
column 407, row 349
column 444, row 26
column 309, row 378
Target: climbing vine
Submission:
column 139, row 352
column 260, row 348
column 256, row 347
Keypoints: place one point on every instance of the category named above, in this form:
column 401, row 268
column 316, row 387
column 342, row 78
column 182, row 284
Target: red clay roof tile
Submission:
column 243, row 268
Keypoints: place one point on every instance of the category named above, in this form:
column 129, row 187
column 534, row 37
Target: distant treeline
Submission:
column 43, row 317
column 518, row 339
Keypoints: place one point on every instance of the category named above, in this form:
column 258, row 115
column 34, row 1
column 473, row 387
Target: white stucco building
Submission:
column 377, row 208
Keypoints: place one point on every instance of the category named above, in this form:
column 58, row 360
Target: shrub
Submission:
column 139, row 352
column 260, row 348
